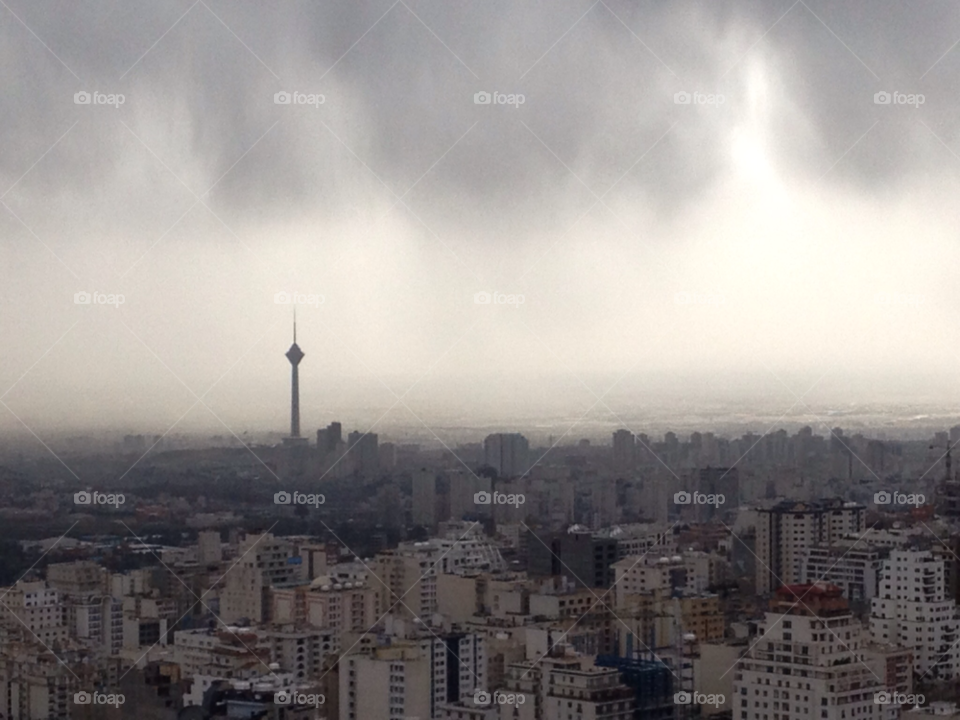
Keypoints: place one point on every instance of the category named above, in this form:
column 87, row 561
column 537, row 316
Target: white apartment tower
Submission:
column 912, row 610
column 808, row 663
column 33, row 611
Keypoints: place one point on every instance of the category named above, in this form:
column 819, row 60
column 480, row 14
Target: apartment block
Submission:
column 912, row 611
column 809, row 656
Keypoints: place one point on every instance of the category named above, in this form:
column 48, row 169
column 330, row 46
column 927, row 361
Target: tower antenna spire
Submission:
column 294, row 324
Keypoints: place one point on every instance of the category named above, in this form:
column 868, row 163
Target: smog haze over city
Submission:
column 779, row 245
column 479, row 360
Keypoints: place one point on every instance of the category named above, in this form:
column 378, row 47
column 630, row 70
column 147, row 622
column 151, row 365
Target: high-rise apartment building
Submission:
column 412, row 678
column 38, row 683
column 586, row 558
column 808, row 663
column 364, row 453
column 392, row 682
column 209, row 547
column 464, row 487
column 718, row 481
column 851, row 566
column 92, row 615
column 912, row 610
column 31, row 610
column 80, row 578
column 786, row 531
column 301, row 651
column 624, row 452
column 226, row 652
column 329, row 438
column 96, row 620
column 343, row 607
column 265, row 562
column 641, row 538
column 567, row 687
column 507, row 453
column 405, row 583
column 424, row 501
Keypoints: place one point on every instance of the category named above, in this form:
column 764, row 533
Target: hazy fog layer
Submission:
column 643, row 259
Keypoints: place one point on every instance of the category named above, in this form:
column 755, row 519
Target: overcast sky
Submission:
column 783, row 226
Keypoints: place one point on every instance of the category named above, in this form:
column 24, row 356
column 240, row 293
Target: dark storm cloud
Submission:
column 596, row 98
column 599, row 198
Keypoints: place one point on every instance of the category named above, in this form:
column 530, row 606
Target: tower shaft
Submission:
column 295, row 402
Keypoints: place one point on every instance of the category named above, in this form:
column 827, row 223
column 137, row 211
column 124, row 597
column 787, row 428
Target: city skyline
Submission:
column 616, row 230
column 630, row 388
